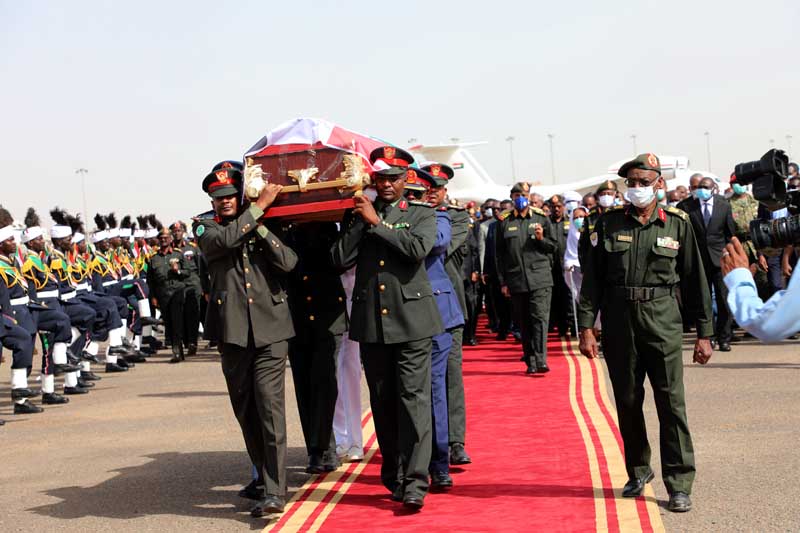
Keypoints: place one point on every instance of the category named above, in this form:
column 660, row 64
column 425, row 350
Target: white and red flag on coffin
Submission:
column 312, row 133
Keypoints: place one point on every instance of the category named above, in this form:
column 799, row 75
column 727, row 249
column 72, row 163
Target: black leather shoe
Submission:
column 124, row 362
column 177, row 354
column 26, row 408
column 724, row 347
column 269, row 505
column 542, row 369
column 72, row 358
column 191, row 349
column 530, row 370
column 147, row 350
column 441, row 481
column 150, row 321
column 86, row 356
column 114, row 367
column 53, row 398
column 59, row 369
column 89, row 376
column 18, row 394
column 136, row 357
column 117, row 350
column 458, row 456
column 253, row 491
column 2, row 422
column 330, row 461
column 679, row 502
column 84, row 383
column 75, row 390
column 634, row 487
column 415, row 503
column 315, row 465
column 501, row 336
column 397, row 494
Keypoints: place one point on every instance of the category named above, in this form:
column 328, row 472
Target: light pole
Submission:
column 635, row 149
column 708, row 151
column 82, row 173
column 789, row 144
column 551, row 136
column 511, row 151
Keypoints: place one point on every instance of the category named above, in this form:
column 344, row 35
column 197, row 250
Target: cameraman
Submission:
column 772, row 321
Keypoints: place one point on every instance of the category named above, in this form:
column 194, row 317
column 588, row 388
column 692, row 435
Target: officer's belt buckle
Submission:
column 641, row 294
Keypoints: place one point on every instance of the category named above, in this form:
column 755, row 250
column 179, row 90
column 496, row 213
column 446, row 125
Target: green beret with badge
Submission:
column 642, row 162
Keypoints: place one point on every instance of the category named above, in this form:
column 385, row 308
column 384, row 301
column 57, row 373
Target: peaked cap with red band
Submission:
column 440, row 170
column 414, row 182
column 224, row 180
column 390, row 160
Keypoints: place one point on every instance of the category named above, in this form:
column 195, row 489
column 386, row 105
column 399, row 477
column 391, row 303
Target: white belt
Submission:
column 48, row 294
column 110, row 283
column 83, row 286
column 69, row 295
column 127, row 277
column 20, row 301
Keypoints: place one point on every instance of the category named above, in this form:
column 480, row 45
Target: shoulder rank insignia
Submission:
column 418, row 203
column 455, row 207
column 538, row 211
column 504, row 215
column 678, row 212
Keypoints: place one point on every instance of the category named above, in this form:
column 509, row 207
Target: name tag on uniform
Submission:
column 668, row 242
column 512, row 228
column 625, row 238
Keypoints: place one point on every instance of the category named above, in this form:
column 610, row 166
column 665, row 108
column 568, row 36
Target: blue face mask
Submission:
column 660, row 195
column 739, row 189
column 578, row 223
column 520, row 202
column 702, row 194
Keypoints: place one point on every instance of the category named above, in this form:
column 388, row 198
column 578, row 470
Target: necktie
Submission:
column 706, row 213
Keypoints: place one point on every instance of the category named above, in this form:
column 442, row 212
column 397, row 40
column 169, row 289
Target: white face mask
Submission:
column 605, row 200
column 641, row 196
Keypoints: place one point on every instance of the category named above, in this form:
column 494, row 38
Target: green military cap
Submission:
column 642, row 161
column 521, row 187
column 607, row 185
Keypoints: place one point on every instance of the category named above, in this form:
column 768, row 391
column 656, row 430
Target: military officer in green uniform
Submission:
column 453, row 265
column 605, row 195
column 317, row 301
column 393, row 318
column 169, row 277
column 638, row 257
column 196, row 297
column 525, row 244
column 247, row 266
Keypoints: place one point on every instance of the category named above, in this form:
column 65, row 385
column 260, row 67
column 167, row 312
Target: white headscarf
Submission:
column 571, row 255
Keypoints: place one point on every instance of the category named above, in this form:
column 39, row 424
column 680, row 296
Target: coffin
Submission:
column 320, row 165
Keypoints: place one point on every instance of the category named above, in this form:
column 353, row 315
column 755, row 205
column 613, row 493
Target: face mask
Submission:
column 520, row 203
column 702, row 194
column 660, row 195
column 578, row 223
column 739, row 189
column 605, row 200
column 617, row 201
column 489, row 212
column 641, row 196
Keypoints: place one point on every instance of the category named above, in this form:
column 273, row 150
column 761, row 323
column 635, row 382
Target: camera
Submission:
column 768, row 177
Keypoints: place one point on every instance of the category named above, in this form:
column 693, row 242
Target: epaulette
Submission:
column 204, row 216
column 421, row 204
column 538, row 211
column 593, row 211
column 678, row 212
column 505, row 214
column 456, row 207
column 614, row 209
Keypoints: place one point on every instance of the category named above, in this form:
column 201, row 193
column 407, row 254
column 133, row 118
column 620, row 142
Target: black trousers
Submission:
column 255, row 379
column 472, row 295
column 313, row 359
column 723, row 327
column 181, row 313
column 399, row 379
column 502, row 307
column 561, row 315
column 456, row 404
column 531, row 314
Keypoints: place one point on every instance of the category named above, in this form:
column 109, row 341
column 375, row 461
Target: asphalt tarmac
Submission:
column 158, row 449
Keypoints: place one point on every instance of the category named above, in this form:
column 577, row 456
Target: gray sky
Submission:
column 148, row 95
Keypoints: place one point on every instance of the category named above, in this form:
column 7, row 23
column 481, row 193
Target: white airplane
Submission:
column 473, row 182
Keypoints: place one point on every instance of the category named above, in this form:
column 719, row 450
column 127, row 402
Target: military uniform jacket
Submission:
column 661, row 253
column 13, row 291
column 561, row 231
column 191, row 254
column 443, row 291
column 457, row 251
column 524, row 263
column 247, row 266
column 163, row 281
column 316, row 294
column 588, row 227
column 392, row 298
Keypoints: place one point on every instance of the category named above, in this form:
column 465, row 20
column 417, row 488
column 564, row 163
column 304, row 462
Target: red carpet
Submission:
column 546, row 457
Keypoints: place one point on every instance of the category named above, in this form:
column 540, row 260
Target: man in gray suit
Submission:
column 248, row 306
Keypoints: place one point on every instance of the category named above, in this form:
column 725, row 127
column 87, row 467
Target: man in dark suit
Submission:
column 713, row 224
column 249, row 313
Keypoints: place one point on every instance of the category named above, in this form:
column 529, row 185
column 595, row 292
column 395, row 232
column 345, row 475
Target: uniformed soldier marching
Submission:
column 456, row 252
column 637, row 257
column 525, row 245
column 394, row 317
column 249, row 310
